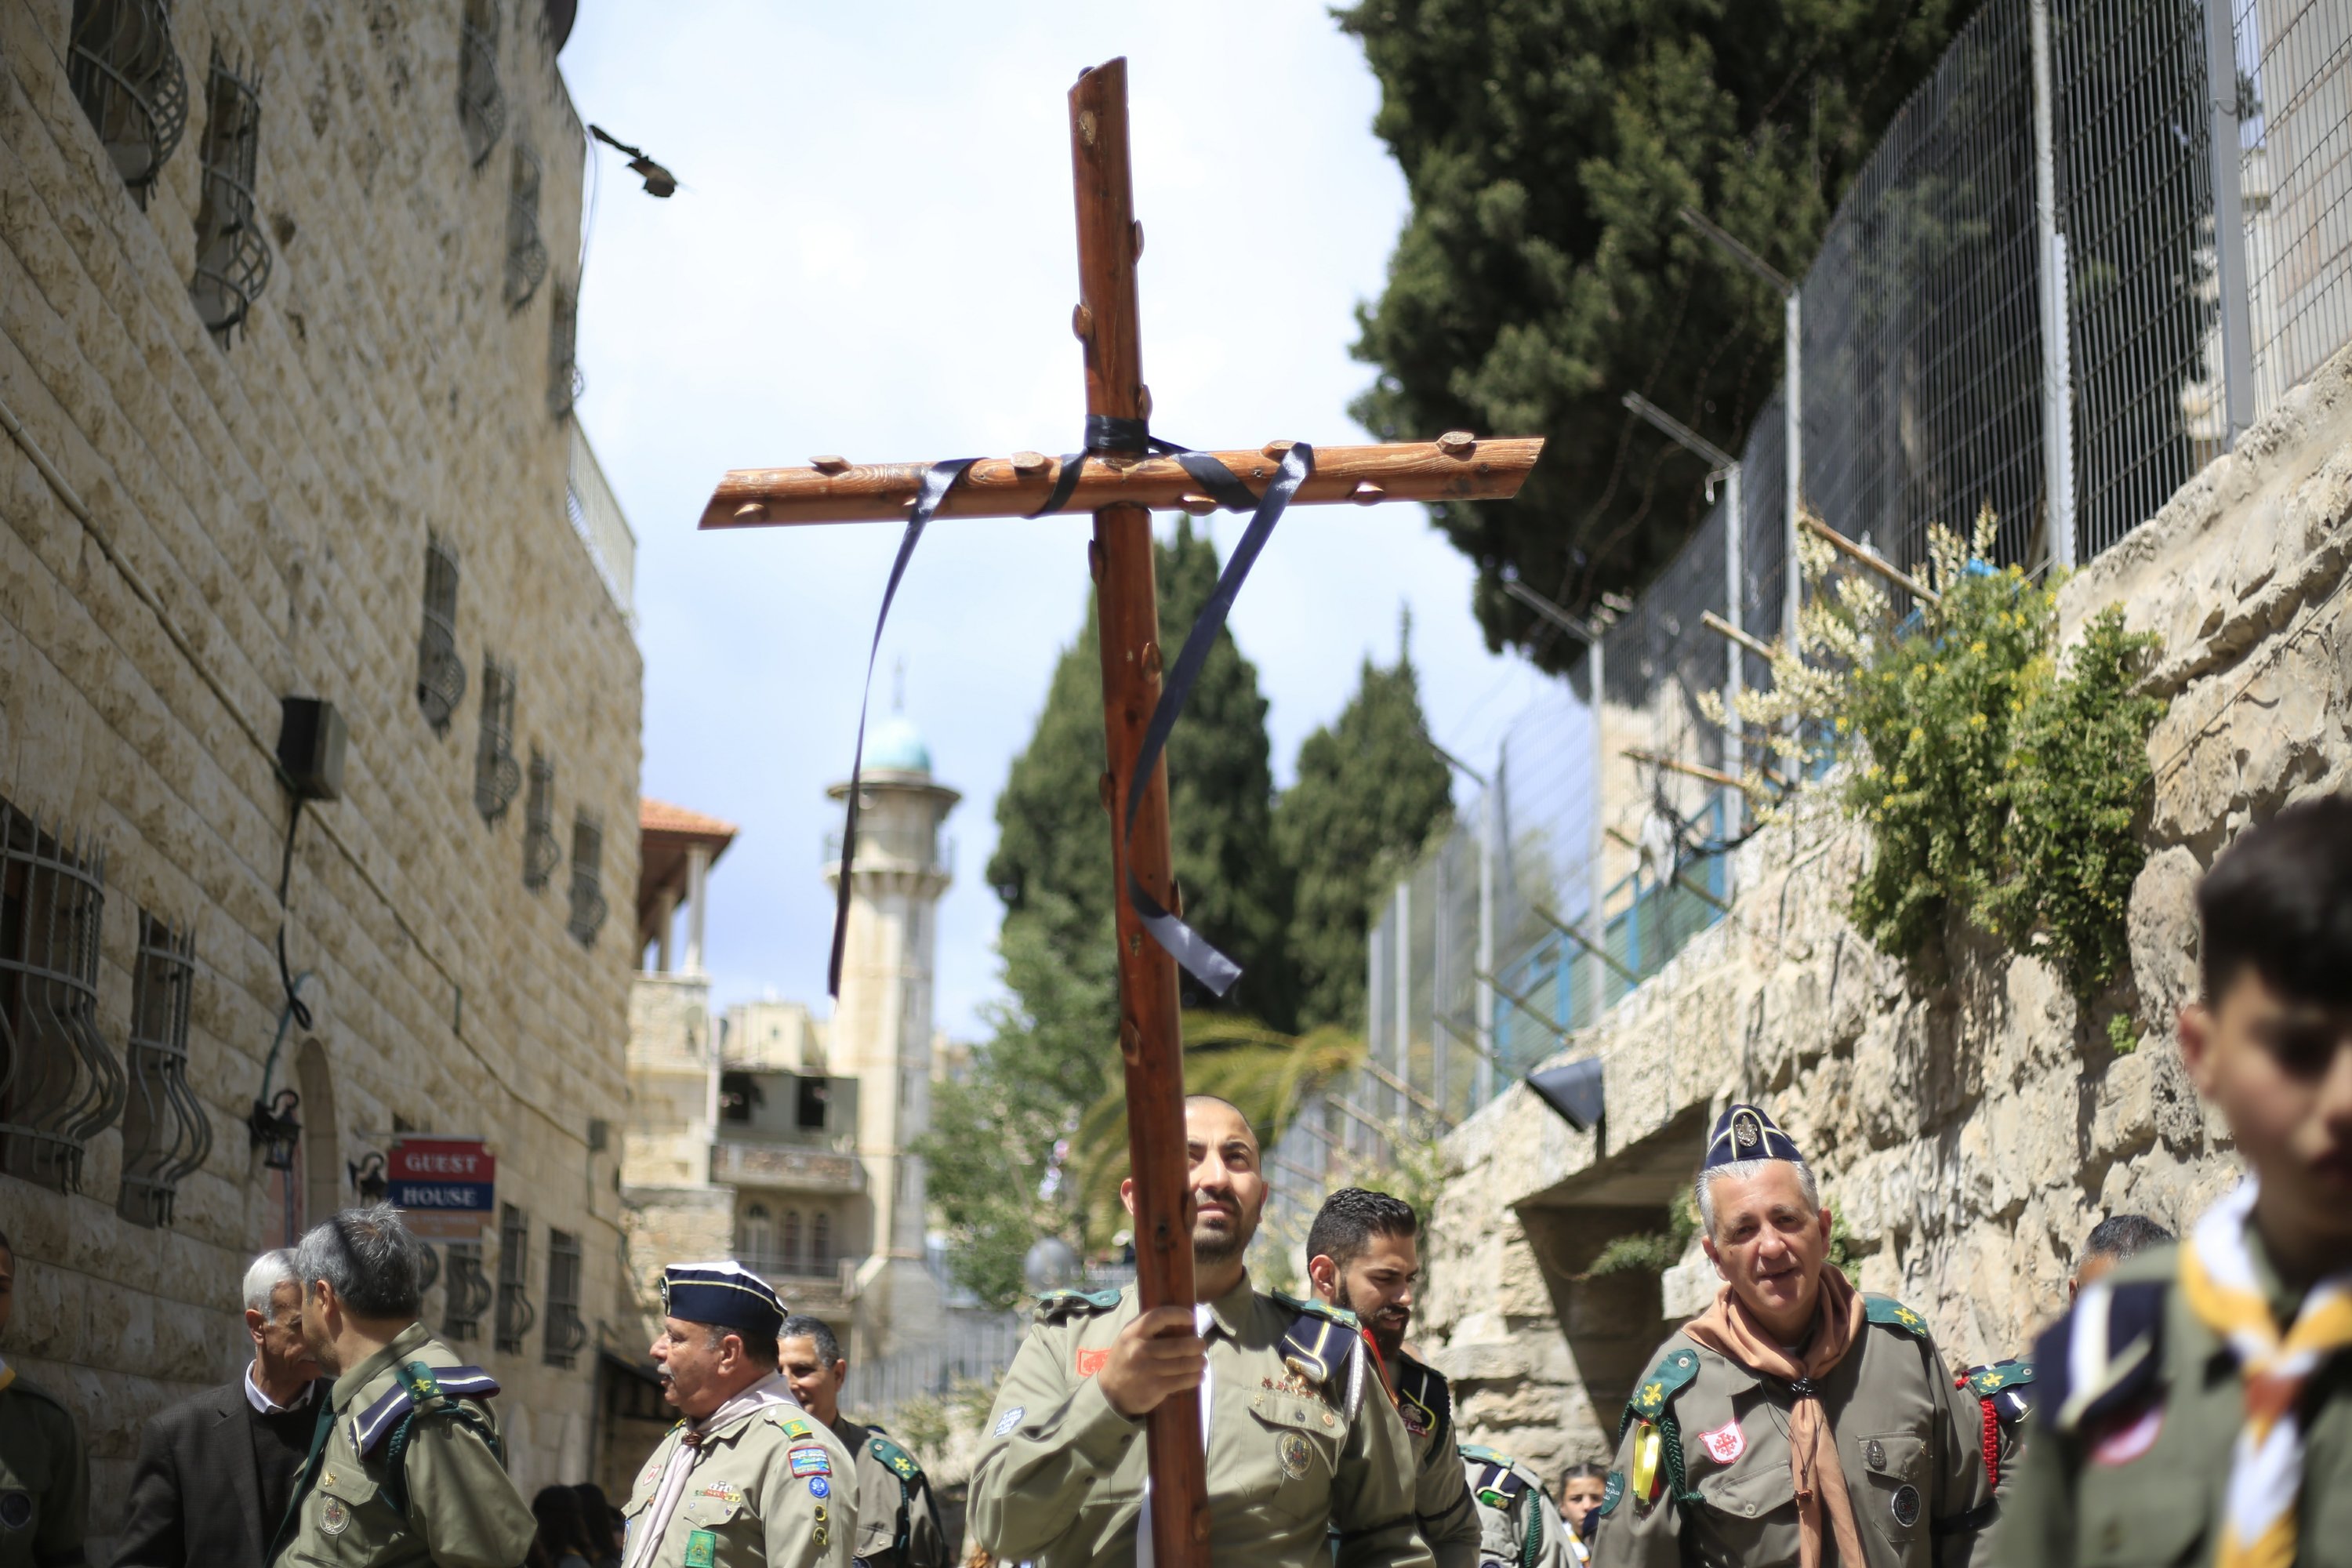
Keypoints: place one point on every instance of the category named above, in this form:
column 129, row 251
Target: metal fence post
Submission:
column 1403, row 993
column 1489, row 815
column 1735, row 671
column 1793, row 437
column 2229, row 218
column 2057, row 429
column 1598, row 887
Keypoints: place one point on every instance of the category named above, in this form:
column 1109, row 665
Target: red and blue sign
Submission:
column 453, row 1181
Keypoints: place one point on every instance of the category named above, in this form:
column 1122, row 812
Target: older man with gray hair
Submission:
column 214, row 1471
column 412, row 1470
column 1796, row 1421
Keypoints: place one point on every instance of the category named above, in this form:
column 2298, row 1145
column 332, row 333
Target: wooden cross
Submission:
column 1122, row 492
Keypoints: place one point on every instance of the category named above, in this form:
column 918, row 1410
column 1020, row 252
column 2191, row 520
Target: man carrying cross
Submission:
column 1122, row 471
column 1300, row 1436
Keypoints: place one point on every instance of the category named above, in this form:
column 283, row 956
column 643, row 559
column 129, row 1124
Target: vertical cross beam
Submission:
column 1128, row 606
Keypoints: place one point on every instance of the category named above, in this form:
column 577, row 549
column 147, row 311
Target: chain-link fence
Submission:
column 2073, row 271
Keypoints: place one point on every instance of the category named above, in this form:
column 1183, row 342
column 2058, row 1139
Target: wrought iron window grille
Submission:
column 541, row 853
column 440, row 673
column 526, row 255
column 481, row 102
column 516, row 1314
column 127, row 78
column 564, row 382
column 58, row 1082
column 588, row 907
column 428, row 1273
column 165, row 1132
column 565, row 1333
column 497, row 777
column 232, row 257
column 469, row 1292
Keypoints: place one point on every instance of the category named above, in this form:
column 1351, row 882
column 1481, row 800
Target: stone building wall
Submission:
column 256, row 523
column 1969, row 1132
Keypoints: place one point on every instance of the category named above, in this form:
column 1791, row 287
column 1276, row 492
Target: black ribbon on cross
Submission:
column 1106, row 433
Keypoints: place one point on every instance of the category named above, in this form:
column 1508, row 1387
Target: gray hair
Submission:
column 375, row 1264
column 266, row 1272
column 1740, row 1171
column 2121, row 1236
column 817, row 1331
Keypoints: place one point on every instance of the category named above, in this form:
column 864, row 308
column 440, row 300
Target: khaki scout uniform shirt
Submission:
column 1060, row 1475
column 1910, row 1444
column 44, row 1478
column 1523, row 1528
column 894, row 1502
column 1441, row 1497
column 771, row 1487
column 2144, row 1483
column 463, row 1508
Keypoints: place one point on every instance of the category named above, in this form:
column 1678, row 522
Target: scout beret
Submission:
column 724, row 1294
column 1747, row 1133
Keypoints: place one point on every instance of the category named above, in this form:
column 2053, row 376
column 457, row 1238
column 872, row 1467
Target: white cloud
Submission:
column 873, row 255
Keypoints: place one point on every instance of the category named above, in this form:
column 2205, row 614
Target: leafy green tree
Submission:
column 1549, row 147
column 1369, row 792
column 1052, row 846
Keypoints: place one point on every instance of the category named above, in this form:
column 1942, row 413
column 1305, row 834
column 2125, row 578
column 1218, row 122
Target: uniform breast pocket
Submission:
column 345, row 1513
column 1744, row 1510
column 2148, row 1522
column 22, row 1486
column 1294, row 1453
column 1895, row 1498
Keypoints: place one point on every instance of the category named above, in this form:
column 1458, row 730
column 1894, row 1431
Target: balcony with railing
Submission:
column 595, row 515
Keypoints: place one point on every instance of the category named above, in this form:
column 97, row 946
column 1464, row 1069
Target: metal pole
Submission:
column 2058, row 467
column 1735, row 679
column 2229, row 218
column 1793, row 427
column 1597, row 978
column 1404, row 984
column 1489, row 815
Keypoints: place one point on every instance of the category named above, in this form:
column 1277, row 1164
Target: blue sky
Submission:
column 872, row 255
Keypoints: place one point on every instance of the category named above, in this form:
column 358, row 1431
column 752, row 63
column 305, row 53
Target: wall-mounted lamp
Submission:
column 1574, row 1091
column 368, row 1178
column 275, row 1130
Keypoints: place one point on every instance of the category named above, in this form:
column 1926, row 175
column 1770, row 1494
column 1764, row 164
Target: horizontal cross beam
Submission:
column 1454, row 468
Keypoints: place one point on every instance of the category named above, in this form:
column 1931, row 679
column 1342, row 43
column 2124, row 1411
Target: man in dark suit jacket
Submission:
column 215, row 1471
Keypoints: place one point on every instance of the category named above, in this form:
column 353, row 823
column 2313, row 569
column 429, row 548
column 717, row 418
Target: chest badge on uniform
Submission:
column 15, row 1509
column 1291, row 1449
column 1726, row 1443
column 1905, row 1505
column 702, row 1550
column 334, row 1516
column 1092, row 1362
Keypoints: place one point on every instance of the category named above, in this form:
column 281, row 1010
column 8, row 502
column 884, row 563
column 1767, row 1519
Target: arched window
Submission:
column 821, row 1244
column 757, row 1239
column 788, row 1243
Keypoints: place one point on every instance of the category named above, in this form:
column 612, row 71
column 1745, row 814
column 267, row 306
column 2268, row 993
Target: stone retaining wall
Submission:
column 1968, row 1132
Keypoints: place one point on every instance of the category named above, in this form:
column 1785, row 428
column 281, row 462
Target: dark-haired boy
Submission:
column 1363, row 1254
column 2197, row 1403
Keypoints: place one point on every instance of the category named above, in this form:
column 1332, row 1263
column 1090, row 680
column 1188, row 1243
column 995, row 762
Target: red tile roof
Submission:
column 660, row 816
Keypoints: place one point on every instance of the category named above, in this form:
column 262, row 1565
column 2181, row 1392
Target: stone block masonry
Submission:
column 220, row 526
column 1971, row 1132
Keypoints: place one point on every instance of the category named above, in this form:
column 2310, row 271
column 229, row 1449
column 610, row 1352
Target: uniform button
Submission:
column 1751, row 1510
column 1877, row 1455
column 1329, row 1420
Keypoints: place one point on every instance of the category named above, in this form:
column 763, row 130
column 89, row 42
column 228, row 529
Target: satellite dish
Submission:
column 1574, row 1091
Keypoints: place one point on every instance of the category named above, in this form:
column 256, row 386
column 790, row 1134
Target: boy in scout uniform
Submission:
column 1363, row 1255
column 1795, row 1418
column 2196, row 1404
column 405, row 1466
column 897, row 1519
column 44, row 1469
column 1294, row 1445
column 747, row 1480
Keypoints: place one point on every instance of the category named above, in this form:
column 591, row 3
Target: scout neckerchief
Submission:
column 770, row 1391
column 1727, row 1329
column 2219, row 1282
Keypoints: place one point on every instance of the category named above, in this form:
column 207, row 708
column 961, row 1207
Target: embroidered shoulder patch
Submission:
column 1092, row 1362
column 1339, row 1315
column 1668, row 1378
column 1726, row 1443
column 1611, row 1493
column 811, row 1461
column 902, row 1464
column 1010, row 1419
column 1984, row 1382
column 1889, row 1313
column 1059, row 1306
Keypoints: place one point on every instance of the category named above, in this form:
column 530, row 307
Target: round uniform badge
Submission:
column 334, row 1516
column 1905, row 1504
column 15, row 1509
column 1293, row 1451
column 820, row 1487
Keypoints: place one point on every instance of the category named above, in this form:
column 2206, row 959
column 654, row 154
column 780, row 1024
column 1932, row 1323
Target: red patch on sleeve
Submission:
column 1092, row 1362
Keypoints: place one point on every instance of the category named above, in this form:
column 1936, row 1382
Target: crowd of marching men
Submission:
column 2194, row 1403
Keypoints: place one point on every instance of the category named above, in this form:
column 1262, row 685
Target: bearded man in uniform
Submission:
column 1796, row 1421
